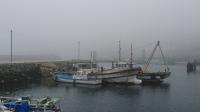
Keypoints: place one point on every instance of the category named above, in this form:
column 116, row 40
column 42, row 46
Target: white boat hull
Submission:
column 124, row 79
column 119, row 76
column 79, row 81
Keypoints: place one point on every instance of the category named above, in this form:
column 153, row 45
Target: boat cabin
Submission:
column 85, row 65
column 121, row 65
column 86, row 68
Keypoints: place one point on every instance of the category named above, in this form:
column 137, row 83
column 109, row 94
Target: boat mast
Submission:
column 119, row 51
column 78, row 54
column 92, row 59
column 131, row 58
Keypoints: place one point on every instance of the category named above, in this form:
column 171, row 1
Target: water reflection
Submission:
column 112, row 97
column 164, row 86
column 121, row 90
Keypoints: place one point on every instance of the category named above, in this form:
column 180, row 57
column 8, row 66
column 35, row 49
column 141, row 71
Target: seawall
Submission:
column 24, row 73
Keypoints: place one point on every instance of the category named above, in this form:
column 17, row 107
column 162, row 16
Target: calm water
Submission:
column 179, row 93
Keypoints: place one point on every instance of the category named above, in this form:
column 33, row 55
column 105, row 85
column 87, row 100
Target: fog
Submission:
column 54, row 27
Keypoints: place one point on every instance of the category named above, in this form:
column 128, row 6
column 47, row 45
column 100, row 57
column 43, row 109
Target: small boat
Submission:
column 29, row 104
column 76, row 78
column 46, row 103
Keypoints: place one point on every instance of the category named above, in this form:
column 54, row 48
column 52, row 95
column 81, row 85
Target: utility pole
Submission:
column 11, row 54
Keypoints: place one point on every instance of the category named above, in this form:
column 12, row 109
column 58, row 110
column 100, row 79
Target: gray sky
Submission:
column 55, row 26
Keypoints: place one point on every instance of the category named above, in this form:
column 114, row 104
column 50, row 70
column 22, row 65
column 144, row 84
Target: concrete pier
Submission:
column 18, row 73
column 30, row 72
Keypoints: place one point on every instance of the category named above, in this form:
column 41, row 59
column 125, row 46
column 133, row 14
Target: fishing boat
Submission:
column 121, row 71
column 154, row 77
column 79, row 77
column 44, row 104
column 29, row 104
column 146, row 76
column 121, row 74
